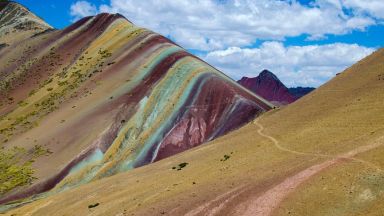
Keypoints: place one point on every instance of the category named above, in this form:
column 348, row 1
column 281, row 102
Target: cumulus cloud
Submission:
column 82, row 9
column 223, row 28
column 213, row 24
column 294, row 65
column 375, row 8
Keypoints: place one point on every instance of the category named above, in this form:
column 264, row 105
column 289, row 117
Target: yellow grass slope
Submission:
column 322, row 155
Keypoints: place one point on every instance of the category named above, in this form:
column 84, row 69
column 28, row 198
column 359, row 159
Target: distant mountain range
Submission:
column 299, row 92
column 268, row 85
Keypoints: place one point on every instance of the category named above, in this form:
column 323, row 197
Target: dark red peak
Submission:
column 77, row 24
column 269, row 87
column 107, row 18
column 267, row 74
column 110, row 16
column 98, row 22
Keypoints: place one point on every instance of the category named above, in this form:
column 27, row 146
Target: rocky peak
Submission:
column 266, row 74
column 268, row 85
column 17, row 23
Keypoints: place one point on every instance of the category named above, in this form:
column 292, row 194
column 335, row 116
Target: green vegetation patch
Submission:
column 16, row 166
column 22, row 103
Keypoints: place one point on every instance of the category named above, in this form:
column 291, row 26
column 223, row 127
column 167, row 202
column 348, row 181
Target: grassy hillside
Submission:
column 322, row 155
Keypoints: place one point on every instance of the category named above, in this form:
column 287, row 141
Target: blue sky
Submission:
column 304, row 42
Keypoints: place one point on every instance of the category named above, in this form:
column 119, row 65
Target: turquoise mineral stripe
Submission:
column 145, row 71
column 91, row 163
column 87, row 177
column 146, row 119
column 171, row 85
column 195, row 94
column 94, row 158
column 131, row 133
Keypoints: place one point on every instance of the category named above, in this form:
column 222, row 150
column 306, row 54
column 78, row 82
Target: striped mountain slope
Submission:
column 18, row 23
column 104, row 96
column 322, row 155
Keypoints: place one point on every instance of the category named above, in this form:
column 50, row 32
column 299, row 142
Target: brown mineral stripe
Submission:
column 46, row 184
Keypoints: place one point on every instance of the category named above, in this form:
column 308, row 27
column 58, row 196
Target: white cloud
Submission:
column 374, row 8
column 82, row 9
column 294, row 65
column 222, row 28
column 214, row 24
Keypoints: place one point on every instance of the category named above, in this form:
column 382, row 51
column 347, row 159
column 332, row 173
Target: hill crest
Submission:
column 105, row 96
column 267, row 85
column 18, row 23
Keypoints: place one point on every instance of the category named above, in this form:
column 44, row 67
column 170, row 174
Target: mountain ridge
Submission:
column 104, row 96
column 269, row 86
column 18, row 23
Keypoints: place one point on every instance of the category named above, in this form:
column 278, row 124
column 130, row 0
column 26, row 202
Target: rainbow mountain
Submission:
column 104, row 96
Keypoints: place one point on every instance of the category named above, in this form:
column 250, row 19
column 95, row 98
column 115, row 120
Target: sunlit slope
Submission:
column 104, row 96
column 322, row 155
column 18, row 23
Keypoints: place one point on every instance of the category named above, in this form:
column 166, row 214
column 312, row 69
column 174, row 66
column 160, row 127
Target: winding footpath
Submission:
column 348, row 156
column 267, row 202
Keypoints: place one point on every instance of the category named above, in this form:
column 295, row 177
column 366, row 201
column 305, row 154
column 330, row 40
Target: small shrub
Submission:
column 62, row 83
column 93, row 205
column 32, row 92
column 180, row 166
column 22, row 103
column 226, row 157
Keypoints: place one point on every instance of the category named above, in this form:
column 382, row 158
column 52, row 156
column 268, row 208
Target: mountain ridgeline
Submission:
column 267, row 85
column 299, row 92
column 17, row 23
column 104, row 96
